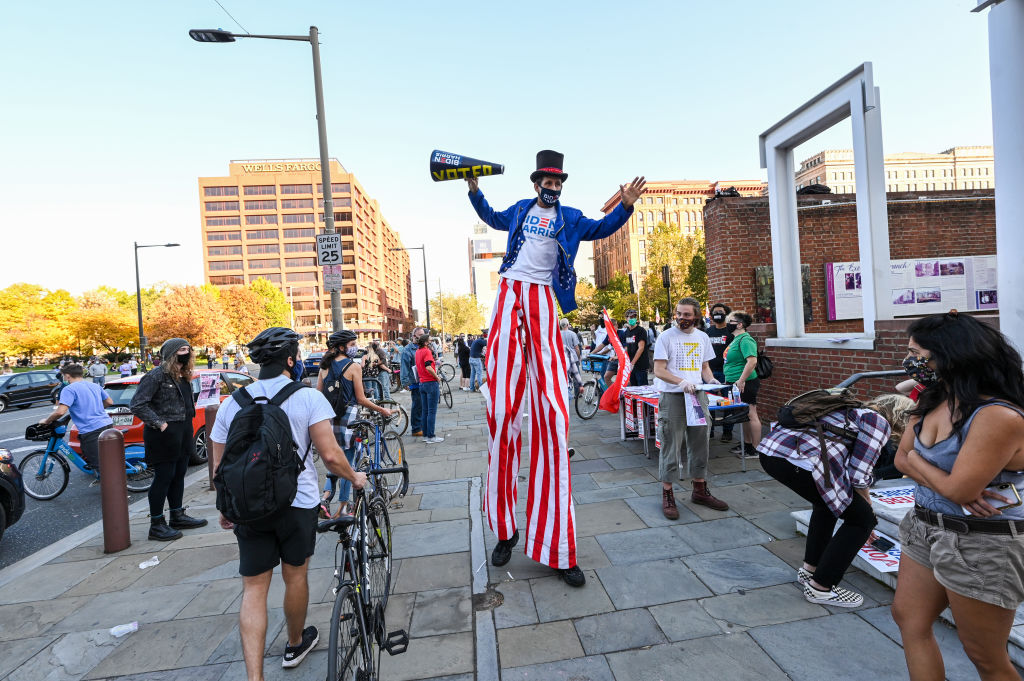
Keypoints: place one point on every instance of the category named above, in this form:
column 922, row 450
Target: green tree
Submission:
column 668, row 246
column 276, row 311
column 461, row 314
column 697, row 276
column 587, row 310
column 616, row 296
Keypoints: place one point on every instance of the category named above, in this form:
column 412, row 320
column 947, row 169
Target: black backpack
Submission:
column 805, row 412
column 764, row 365
column 331, row 388
column 258, row 475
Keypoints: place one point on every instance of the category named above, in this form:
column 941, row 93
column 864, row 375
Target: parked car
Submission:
column 311, row 364
column 24, row 389
column 12, row 492
column 122, row 390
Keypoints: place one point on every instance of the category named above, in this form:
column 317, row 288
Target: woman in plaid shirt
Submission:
column 795, row 459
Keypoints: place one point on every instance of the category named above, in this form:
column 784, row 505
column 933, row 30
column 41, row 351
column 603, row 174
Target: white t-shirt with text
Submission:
column 538, row 255
column 685, row 354
column 305, row 408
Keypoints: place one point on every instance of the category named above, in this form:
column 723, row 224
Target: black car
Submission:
column 23, row 389
column 12, row 492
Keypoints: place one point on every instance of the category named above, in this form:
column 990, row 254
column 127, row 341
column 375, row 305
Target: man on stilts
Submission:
column 537, row 270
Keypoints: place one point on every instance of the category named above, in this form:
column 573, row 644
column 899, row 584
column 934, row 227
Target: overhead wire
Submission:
column 244, row 29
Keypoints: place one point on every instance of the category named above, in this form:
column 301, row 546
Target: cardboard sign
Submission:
column 209, row 390
column 883, row 562
column 694, row 411
column 893, row 497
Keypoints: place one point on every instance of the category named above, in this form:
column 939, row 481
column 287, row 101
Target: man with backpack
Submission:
column 261, row 441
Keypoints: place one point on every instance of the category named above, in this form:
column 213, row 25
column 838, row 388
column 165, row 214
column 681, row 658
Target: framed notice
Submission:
column 919, row 286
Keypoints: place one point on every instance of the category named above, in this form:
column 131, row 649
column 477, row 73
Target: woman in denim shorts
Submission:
column 963, row 543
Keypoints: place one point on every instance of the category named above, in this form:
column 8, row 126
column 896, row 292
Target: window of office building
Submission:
column 339, row 217
column 261, row 219
column 336, row 188
column 300, row 262
column 259, row 190
column 305, row 247
column 224, row 236
column 296, row 203
column 296, row 189
column 224, row 221
column 297, row 218
column 300, row 276
column 221, row 205
column 305, row 305
column 220, row 191
column 301, row 291
column 228, row 280
column 265, row 264
column 221, row 265
column 262, row 249
column 224, row 250
column 339, row 202
column 261, row 234
column 272, row 278
column 261, row 204
column 298, row 233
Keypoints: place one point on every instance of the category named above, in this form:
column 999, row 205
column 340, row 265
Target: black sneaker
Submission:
column 573, row 576
column 571, row 452
column 294, row 655
column 726, row 437
column 503, row 551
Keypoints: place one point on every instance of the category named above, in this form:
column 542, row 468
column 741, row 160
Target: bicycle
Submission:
column 357, row 632
column 446, row 392
column 399, row 420
column 589, row 396
column 45, row 472
column 382, row 454
column 373, row 388
column 446, row 371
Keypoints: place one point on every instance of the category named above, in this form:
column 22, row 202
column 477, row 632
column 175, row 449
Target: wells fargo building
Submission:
column 260, row 222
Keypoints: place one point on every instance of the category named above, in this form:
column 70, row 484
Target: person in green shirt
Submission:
column 739, row 369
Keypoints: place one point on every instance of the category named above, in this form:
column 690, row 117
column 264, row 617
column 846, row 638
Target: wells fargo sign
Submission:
column 281, row 166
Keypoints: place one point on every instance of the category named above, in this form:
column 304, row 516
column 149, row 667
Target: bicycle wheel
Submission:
column 446, row 394
column 139, row 477
column 399, row 421
column 348, row 655
column 587, row 400
column 373, row 389
column 45, row 475
column 396, row 382
column 378, row 552
column 447, row 372
column 392, row 455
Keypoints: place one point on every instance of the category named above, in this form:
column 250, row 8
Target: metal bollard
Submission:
column 113, row 497
column 211, row 418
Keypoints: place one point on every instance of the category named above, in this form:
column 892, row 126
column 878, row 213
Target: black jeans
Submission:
column 830, row 554
column 638, row 377
column 169, row 484
column 168, row 454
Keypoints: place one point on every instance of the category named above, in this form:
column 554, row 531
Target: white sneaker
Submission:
column 838, row 597
column 434, row 440
column 803, row 576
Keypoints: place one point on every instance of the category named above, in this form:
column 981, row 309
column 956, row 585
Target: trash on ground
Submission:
column 155, row 560
column 124, row 629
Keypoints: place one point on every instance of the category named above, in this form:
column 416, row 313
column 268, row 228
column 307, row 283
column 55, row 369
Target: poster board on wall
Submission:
column 764, row 294
column 918, row 286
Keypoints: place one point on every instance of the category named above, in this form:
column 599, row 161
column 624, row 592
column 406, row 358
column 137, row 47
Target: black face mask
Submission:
column 549, row 196
column 183, row 359
column 718, row 317
column 731, row 326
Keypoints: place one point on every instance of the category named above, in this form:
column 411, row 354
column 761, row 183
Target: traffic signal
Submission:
column 666, row 279
column 632, row 284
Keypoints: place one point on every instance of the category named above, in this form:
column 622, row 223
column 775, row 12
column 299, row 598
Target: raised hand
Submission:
column 631, row 193
column 474, row 184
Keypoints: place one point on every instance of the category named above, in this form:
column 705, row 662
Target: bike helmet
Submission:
column 272, row 344
column 340, row 338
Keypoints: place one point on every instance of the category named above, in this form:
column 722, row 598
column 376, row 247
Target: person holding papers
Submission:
column 681, row 356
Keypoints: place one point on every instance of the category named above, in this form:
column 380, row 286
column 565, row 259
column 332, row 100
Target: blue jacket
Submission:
column 409, row 376
column 570, row 226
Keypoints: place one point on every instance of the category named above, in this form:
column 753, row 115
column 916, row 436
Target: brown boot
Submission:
column 701, row 495
column 668, row 505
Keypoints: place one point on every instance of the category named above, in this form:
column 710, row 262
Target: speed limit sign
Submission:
column 328, row 249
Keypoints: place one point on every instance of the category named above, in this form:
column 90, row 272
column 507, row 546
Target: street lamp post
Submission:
column 426, row 294
column 219, row 36
column 138, row 296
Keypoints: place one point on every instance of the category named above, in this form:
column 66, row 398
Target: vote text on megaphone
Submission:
column 445, row 165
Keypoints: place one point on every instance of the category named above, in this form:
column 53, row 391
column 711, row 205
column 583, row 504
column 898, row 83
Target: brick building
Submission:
column 921, row 225
column 954, row 168
column 674, row 203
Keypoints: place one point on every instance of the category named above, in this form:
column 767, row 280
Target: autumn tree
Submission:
column 461, row 314
column 102, row 321
column 245, row 311
column 188, row 312
column 32, row 320
column 276, row 311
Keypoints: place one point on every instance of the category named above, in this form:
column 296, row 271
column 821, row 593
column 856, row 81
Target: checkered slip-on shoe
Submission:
column 803, row 576
column 838, row 597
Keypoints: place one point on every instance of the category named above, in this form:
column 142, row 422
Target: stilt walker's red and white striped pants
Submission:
column 526, row 314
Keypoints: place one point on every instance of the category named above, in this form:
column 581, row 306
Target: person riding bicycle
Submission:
column 289, row 537
column 339, row 371
column 85, row 401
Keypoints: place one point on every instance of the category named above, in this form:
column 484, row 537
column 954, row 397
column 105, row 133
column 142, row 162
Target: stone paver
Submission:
column 718, row 535
column 605, row 517
column 643, row 546
column 556, row 600
column 517, row 608
column 593, row 668
column 660, row 581
column 428, row 573
column 747, row 567
column 618, row 631
column 534, row 644
column 428, row 539
column 758, row 607
column 734, row 657
column 447, row 611
column 684, row 620
column 649, row 510
column 430, row 657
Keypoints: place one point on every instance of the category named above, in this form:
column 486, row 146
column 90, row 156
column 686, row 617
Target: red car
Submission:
column 122, row 390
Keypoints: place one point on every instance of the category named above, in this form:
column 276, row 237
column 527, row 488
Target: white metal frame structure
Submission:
column 853, row 96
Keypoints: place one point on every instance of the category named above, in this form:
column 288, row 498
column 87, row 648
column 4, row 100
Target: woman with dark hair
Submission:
column 963, row 543
column 163, row 401
column 462, row 353
column 739, row 368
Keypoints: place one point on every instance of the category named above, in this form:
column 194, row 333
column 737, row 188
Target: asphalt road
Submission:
column 45, row 522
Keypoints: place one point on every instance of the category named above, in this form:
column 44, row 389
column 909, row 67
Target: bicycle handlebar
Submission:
column 871, row 374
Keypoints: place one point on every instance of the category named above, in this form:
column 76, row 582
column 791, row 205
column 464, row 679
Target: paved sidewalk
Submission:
column 711, row 595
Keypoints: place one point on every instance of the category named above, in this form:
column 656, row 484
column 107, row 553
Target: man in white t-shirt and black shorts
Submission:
column 681, row 356
column 289, row 538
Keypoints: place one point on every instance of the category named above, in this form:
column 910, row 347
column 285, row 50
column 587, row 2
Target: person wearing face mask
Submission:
column 681, row 363
column 163, row 402
column 721, row 334
column 537, row 270
column 636, row 348
column 920, row 377
column 740, row 369
column 340, row 371
column 411, row 381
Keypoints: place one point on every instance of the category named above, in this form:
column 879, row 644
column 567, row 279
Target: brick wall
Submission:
column 738, row 239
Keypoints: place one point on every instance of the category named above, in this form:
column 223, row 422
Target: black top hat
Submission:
column 549, row 163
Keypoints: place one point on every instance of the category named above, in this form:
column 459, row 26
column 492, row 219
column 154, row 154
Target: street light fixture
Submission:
column 426, row 294
column 138, row 296
column 216, row 35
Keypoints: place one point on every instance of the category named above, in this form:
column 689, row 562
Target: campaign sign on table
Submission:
column 894, row 497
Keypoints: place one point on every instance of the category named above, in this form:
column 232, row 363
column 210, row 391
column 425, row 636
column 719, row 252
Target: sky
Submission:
column 110, row 112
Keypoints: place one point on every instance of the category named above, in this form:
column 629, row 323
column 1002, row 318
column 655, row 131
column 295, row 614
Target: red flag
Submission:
column 610, row 398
